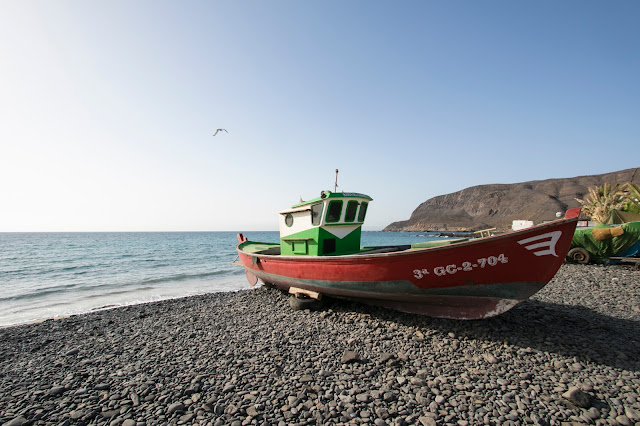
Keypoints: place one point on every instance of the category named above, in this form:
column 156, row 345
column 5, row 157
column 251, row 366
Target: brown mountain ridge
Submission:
column 498, row 205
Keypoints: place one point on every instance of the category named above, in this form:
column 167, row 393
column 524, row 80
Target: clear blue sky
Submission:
column 107, row 109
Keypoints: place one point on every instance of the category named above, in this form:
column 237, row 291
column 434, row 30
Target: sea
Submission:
column 51, row 275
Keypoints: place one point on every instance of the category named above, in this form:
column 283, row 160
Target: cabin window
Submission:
column 363, row 211
column 334, row 211
column 316, row 214
column 352, row 208
column 288, row 219
column 329, row 245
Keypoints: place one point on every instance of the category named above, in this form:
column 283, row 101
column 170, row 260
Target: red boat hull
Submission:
column 469, row 280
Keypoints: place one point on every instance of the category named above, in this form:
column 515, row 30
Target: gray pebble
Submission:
column 18, row 421
column 427, row 421
column 490, row 358
column 632, row 414
column 56, row 390
column 363, row 397
column 187, row 418
column 76, row 414
column 175, row 407
column 349, row 357
column 624, row 420
column 577, row 397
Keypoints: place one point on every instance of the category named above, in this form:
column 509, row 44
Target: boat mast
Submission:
column 335, row 187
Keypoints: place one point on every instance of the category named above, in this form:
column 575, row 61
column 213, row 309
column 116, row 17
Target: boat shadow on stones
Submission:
column 565, row 330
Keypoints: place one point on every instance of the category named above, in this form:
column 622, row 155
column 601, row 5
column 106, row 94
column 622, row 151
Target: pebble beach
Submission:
column 570, row 355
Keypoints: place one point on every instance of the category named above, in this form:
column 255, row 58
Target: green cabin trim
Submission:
column 328, row 194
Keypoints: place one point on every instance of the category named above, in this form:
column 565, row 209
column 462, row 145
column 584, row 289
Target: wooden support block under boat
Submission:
column 301, row 291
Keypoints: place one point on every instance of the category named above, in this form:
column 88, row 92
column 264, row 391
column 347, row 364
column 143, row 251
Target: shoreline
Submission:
column 119, row 306
column 245, row 357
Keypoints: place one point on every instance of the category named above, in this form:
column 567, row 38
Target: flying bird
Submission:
column 218, row 130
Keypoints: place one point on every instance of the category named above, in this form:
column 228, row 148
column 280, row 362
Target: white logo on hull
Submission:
column 550, row 245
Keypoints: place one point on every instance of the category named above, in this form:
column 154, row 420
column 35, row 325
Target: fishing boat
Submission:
column 319, row 255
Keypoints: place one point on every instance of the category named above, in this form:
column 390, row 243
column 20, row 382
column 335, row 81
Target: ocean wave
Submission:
column 157, row 298
column 53, row 271
column 101, row 289
column 104, row 294
column 183, row 277
column 40, row 292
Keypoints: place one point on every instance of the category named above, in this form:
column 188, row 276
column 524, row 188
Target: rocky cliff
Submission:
column 497, row 205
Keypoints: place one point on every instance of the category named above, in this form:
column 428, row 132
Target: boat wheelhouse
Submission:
column 329, row 225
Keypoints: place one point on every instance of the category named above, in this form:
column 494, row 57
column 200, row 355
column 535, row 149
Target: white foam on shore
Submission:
column 44, row 310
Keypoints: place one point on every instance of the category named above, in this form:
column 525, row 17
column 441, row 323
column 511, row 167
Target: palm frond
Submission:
column 602, row 200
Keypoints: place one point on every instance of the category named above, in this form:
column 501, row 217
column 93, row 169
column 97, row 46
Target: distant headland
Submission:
column 498, row 205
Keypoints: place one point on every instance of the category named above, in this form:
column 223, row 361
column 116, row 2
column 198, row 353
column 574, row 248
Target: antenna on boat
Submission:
column 335, row 187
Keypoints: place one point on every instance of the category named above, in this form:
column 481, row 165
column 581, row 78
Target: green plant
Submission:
column 602, row 200
column 632, row 197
